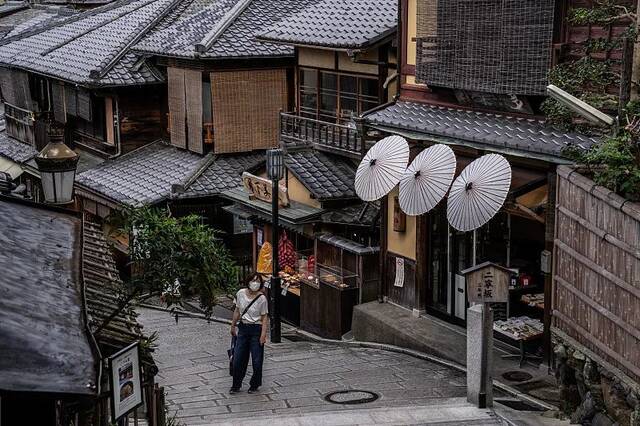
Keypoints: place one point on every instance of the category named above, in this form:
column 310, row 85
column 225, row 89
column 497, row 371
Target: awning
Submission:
column 8, row 166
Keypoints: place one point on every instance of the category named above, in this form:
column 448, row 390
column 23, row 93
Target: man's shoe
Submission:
column 253, row 390
column 233, row 391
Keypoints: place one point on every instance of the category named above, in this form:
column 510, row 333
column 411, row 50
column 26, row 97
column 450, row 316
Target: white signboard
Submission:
column 399, row 282
column 126, row 381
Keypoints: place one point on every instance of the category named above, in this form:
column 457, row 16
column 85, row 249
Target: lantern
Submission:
column 275, row 164
column 57, row 164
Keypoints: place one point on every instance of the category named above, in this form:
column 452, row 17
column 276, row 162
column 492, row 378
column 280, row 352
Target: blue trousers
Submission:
column 248, row 342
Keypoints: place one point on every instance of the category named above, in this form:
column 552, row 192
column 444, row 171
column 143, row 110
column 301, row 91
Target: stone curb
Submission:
column 372, row 345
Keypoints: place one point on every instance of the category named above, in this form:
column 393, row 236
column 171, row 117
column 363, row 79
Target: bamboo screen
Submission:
column 15, row 88
column 246, row 105
column 177, row 108
column 193, row 101
column 58, row 102
column 495, row 46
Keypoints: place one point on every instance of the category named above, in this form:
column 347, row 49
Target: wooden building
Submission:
column 56, row 327
column 450, row 93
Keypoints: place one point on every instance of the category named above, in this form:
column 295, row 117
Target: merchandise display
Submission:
column 533, row 300
column 265, row 258
column 520, row 328
column 287, row 257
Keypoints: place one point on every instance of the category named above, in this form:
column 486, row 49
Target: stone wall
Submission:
column 591, row 393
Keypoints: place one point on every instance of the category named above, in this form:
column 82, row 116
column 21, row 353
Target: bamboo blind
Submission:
column 596, row 297
column 193, row 101
column 58, row 102
column 83, row 104
column 246, row 105
column 15, row 88
column 177, row 108
column 495, row 46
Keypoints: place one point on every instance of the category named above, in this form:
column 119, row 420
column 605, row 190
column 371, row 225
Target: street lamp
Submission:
column 275, row 171
column 57, row 165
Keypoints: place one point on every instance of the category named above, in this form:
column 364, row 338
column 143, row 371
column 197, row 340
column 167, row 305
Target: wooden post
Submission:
column 549, row 236
column 625, row 75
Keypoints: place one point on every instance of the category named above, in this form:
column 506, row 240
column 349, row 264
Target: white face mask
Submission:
column 254, row 285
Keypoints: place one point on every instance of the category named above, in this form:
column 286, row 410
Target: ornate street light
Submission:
column 275, row 171
column 57, row 165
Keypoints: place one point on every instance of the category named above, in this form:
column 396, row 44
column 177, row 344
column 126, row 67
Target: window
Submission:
column 94, row 128
column 335, row 97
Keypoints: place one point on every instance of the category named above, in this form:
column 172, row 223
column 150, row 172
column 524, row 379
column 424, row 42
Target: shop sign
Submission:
column 260, row 188
column 126, row 381
column 399, row 282
column 487, row 283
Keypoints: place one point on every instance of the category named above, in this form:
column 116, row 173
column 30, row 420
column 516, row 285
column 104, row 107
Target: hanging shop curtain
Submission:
column 246, row 105
column 177, row 108
column 193, row 92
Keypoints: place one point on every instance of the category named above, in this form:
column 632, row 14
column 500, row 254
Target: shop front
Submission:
column 328, row 253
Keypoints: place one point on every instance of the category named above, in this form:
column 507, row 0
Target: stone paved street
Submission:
column 193, row 366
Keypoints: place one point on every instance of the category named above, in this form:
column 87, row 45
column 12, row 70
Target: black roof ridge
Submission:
column 206, row 162
column 73, row 18
column 94, row 28
column 106, row 67
column 223, row 24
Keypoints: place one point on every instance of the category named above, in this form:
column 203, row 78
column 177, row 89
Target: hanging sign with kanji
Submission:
column 487, row 283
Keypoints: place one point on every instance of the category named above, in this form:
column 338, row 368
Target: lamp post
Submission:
column 275, row 171
column 57, row 165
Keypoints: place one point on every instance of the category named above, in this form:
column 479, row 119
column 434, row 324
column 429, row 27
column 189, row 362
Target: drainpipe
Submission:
column 116, row 126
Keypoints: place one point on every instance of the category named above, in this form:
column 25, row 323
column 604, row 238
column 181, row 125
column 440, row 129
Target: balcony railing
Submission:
column 296, row 131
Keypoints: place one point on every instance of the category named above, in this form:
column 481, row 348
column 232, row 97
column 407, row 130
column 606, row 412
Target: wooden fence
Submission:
column 596, row 297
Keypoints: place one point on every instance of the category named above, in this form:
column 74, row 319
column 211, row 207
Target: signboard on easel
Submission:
column 260, row 188
column 126, row 381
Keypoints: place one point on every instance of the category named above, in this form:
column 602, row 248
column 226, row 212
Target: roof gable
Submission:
column 340, row 24
column 326, row 177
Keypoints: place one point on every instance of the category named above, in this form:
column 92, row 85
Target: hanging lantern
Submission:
column 57, row 164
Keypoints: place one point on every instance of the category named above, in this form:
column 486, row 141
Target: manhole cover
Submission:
column 351, row 397
column 517, row 376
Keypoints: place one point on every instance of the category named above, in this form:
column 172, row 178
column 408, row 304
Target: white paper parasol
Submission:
column 479, row 192
column 427, row 180
column 382, row 168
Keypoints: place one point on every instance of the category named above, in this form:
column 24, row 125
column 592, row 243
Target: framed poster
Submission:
column 126, row 381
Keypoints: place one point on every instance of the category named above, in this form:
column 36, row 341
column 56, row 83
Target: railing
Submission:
column 297, row 131
column 20, row 123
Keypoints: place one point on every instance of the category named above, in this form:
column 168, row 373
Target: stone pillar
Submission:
column 480, row 356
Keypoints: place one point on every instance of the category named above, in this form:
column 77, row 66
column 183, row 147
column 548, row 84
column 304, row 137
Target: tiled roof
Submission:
column 29, row 19
column 42, row 335
column 346, row 24
column 366, row 214
column 511, row 135
column 90, row 48
column 14, row 150
column 222, row 174
column 143, row 176
column 225, row 28
column 326, row 177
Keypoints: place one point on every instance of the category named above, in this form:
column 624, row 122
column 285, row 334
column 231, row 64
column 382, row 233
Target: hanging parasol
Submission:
column 427, row 180
column 382, row 168
column 479, row 192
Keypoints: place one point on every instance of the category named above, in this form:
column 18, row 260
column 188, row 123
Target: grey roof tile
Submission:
column 348, row 24
column 143, row 176
column 222, row 174
column 71, row 48
column 326, row 177
column 518, row 135
column 363, row 214
column 179, row 33
column 15, row 150
column 42, row 335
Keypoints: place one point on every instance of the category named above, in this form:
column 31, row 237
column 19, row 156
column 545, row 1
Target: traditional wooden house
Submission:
column 475, row 84
column 344, row 65
column 80, row 70
column 57, row 326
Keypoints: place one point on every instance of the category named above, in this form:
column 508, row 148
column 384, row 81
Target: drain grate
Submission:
column 517, row 376
column 351, row 397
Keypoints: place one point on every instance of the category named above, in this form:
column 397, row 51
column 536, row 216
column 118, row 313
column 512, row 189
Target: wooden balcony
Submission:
column 297, row 131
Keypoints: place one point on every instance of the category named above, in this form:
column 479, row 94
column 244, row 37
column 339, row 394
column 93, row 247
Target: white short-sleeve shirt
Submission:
column 255, row 312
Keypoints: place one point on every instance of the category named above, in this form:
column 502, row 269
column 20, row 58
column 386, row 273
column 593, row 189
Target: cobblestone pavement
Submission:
column 193, row 365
